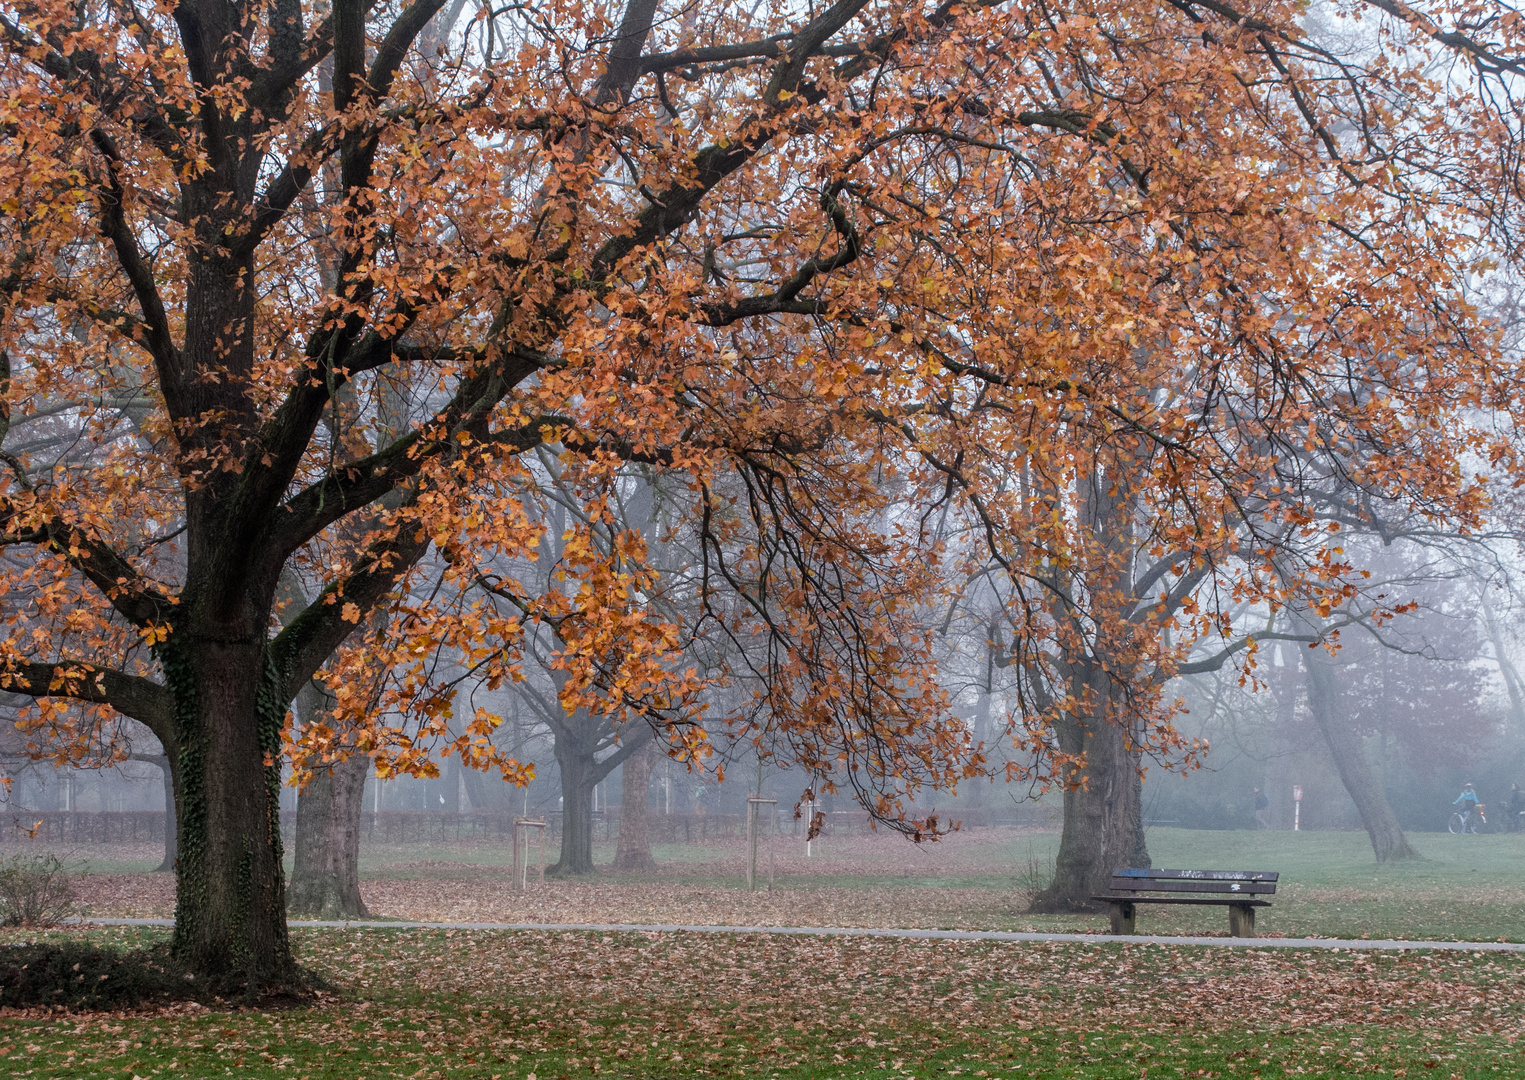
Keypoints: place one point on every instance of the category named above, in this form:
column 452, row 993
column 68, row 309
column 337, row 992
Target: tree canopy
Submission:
column 302, row 302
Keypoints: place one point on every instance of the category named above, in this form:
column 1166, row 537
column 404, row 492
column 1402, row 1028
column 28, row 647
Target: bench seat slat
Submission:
column 1205, row 901
column 1240, row 888
column 1195, row 875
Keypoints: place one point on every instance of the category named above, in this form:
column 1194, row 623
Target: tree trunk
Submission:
column 1103, row 808
column 1387, row 839
column 579, row 774
column 633, row 850
column 325, row 875
column 1123, row 844
column 1075, row 868
column 1285, row 685
column 1103, row 800
column 982, row 737
column 1515, row 714
column 171, row 826
column 230, row 911
column 481, row 794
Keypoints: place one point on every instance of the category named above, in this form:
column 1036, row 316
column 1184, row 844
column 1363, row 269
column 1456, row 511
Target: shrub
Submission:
column 35, row 890
column 1035, row 873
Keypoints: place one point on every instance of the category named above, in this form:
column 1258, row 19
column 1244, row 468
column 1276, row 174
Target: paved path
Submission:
column 933, row 935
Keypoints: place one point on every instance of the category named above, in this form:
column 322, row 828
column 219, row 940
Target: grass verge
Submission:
column 568, row 1006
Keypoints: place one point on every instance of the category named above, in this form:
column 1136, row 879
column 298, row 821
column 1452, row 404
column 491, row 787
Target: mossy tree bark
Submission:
column 230, row 909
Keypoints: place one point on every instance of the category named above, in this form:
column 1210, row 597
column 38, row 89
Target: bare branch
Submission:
column 140, row 275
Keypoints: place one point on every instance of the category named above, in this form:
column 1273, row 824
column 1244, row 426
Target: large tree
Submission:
column 1131, row 611
column 781, row 252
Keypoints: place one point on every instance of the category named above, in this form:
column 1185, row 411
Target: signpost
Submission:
column 1297, row 808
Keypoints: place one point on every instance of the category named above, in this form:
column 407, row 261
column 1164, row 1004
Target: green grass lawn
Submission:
column 1463, row 888
column 559, row 1006
column 1328, row 859
column 998, row 857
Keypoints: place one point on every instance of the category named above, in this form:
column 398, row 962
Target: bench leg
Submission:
column 1241, row 922
column 1122, row 918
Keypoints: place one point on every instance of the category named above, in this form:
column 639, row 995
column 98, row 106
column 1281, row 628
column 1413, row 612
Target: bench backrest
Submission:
column 1238, row 882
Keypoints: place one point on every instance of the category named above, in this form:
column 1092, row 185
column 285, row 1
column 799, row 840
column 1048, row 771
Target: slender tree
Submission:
column 171, row 845
column 1410, row 686
column 1365, row 788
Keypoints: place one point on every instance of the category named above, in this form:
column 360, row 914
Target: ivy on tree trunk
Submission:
column 230, row 910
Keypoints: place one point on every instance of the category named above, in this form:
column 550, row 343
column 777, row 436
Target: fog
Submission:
column 1431, row 693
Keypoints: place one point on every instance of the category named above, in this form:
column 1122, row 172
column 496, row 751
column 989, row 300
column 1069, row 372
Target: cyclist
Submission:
column 1467, row 801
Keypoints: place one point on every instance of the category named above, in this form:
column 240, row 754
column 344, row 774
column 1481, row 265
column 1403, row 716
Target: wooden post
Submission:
column 521, row 871
column 772, row 841
column 754, row 802
column 514, row 874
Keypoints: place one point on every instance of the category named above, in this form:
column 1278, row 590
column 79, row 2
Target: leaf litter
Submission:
column 430, row 1003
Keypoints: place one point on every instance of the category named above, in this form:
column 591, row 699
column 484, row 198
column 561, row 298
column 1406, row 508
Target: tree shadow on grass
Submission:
column 79, row 976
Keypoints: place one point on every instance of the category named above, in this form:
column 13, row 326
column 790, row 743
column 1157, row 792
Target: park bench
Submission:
column 1238, row 890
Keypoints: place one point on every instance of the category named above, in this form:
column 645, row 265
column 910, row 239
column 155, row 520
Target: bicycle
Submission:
column 1461, row 820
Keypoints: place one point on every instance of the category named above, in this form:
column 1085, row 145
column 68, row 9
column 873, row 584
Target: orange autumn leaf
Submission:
column 321, row 325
